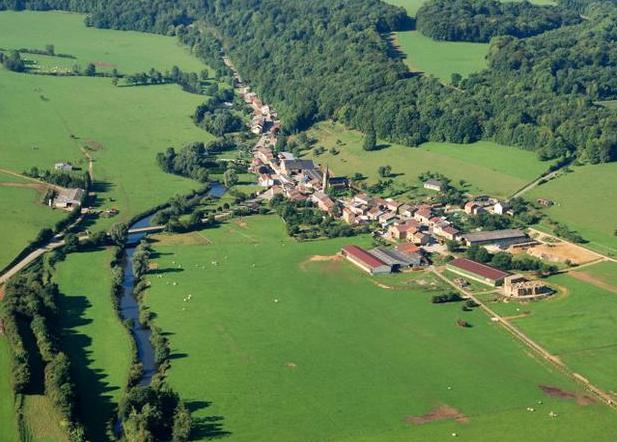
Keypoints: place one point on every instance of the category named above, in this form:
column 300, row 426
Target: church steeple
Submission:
column 326, row 176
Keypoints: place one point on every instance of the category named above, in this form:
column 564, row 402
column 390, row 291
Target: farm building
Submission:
column 365, row 260
column 477, row 271
column 395, row 259
column 473, row 208
column 501, row 208
column 433, row 185
column 403, row 230
column 323, row 201
column 68, row 198
column 63, row 167
column 517, row 286
column 501, row 238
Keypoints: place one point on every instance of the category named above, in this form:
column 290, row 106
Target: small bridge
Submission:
column 149, row 229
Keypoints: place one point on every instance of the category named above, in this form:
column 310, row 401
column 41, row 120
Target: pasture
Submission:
column 23, row 215
column 282, row 341
column 127, row 51
column 486, row 166
column 578, row 324
column 93, row 337
column 121, row 128
column 8, row 417
column 440, row 58
column 585, row 201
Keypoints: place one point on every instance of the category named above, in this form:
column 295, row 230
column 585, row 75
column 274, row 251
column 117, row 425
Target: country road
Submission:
column 537, row 348
column 533, row 184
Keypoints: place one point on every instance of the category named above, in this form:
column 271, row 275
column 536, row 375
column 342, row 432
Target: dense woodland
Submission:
column 329, row 59
column 480, row 20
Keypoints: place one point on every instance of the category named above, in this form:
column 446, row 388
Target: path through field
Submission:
column 537, row 348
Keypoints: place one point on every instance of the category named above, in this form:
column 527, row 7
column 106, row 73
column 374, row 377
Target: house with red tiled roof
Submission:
column 423, row 215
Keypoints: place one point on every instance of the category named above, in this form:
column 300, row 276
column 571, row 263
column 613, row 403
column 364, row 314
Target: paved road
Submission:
column 533, row 184
column 554, row 360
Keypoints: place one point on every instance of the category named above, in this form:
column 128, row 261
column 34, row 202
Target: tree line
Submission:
column 480, row 20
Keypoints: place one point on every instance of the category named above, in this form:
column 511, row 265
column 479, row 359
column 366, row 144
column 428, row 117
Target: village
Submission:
column 411, row 233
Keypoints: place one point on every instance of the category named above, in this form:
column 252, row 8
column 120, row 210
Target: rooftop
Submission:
column 478, row 268
column 494, row 235
column 364, row 256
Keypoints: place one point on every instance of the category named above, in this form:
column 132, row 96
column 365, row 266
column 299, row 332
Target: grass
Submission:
column 127, row 51
column 338, row 357
column 42, row 423
column 130, row 125
column 486, row 166
column 8, row 418
column 578, row 325
column 23, row 216
column 123, row 128
column 585, row 201
column 93, row 337
column 440, row 58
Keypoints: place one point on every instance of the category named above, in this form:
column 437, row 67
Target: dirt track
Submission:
column 442, row 412
column 586, row 277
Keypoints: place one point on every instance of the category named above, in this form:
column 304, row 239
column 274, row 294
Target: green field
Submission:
column 126, row 51
column 578, row 325
column 585, row 200
column 441, row 58
column 338, row 357
column 8, row 418
column 23, row 216
column 486, row 166
column 93, row 337
column 122, row 128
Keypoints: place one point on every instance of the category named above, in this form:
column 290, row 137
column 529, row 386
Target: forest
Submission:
column 480, row 20
column 330, row 59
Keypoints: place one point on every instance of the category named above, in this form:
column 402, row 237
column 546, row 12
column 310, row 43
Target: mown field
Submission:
column 93, row 337
column 127, row 51
column 440, row 58
column 8, row 417
column 585, row 201
column 23, row 216
column 278, row 344
column 485, row 166
column 122, row 128
column 578, row 325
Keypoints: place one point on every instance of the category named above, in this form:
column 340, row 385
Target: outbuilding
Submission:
column 366, row 261
column 477, row 271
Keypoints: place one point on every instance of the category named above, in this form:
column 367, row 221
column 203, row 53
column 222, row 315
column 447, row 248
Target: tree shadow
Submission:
column 381, row 146
column 94, row 402
column 208, row 427
column 166, row 270
column 178, row 356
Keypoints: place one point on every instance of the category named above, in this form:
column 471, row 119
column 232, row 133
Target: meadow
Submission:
column 279, row 341
column 412, row 6
column 8, row 417
column 440, row 58
column 127, row 51
column 578, row 324
column 93, row 337
column 122, row 128
column 486, row 166
column 585, row 201
column 23, row 216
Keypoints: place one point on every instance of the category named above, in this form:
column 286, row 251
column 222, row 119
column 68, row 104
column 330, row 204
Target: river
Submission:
column 128, row 306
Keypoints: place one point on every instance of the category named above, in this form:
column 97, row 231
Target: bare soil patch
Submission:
column 520, row 316
column 321, row 258
column 594, row 280
column 580, row 398
column 93, row 144
column 241, row 223
column 332, row 260
column 104, row 64
column 562, row 252
column 443, row 412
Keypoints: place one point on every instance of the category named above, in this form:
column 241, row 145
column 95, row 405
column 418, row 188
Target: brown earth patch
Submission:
column 594, row 280
column 1, row 292
column 241, row 223
column 443, row 412
column 522, row 315
column 332, row 260
column 581, row 399
column 561, row 252
column 93, row 144
column 318, row 258
column 104, row 64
